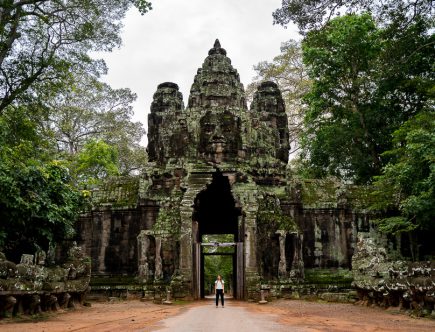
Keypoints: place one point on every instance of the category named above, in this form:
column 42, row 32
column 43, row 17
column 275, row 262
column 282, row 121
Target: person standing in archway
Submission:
column 219, row 287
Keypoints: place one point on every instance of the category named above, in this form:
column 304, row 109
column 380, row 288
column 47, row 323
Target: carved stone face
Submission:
column 179, row 140
column 220, row 136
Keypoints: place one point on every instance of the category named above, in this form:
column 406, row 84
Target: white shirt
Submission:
column 219, row 284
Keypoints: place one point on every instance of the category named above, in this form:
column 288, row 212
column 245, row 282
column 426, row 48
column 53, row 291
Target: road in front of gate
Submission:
column 278, row 315
column 233, row 317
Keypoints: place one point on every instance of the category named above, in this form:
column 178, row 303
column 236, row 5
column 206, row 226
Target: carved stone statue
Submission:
column 40, row 257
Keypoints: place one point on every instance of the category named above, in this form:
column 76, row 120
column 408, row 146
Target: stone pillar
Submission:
column 197, row 181
column 297, row 269
column 318, row 246
column 158, row 274
column 143, row 244
column 282, row 265
column 247, row 196
column 185, row 261
column 104, row 240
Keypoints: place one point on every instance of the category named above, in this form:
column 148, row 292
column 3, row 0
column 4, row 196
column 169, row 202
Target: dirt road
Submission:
column 234, row 317
column 282, row 315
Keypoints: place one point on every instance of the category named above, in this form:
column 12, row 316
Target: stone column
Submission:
column 297, row 269
column 158, row 274
column 282, row 265
column 185, row 261
column 247, row 195
column 106, row 220
column 143, row 245
column 318, row 246
column 197, row 181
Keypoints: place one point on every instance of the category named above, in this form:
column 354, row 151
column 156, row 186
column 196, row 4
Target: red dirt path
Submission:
column 144, row 316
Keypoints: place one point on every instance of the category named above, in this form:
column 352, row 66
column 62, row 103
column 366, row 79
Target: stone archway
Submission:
column 215, row 213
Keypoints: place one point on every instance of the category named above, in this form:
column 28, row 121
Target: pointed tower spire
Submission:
column 217, row 49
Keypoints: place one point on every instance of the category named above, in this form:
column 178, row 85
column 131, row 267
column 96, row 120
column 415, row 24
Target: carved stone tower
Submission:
column 216, row 167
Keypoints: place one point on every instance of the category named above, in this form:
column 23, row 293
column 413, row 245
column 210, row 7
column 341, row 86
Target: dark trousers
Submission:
column 221, row 293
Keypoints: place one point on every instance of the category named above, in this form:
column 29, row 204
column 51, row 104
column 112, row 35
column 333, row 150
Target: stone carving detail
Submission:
column 220, row 136
column 387, row 282
column 29, row 288
column 167, row 136
column 26, row 259
column 268, row 106
column 217, row 83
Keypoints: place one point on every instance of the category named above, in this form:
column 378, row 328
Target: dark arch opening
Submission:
column 216, row 213
column 215, row 209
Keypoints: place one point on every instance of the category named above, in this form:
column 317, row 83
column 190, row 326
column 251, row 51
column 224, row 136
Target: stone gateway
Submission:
column 219, row 167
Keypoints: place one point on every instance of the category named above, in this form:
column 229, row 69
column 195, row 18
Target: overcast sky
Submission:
column 170, row 43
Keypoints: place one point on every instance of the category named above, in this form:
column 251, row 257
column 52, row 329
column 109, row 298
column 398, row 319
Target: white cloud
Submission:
column 171, row 42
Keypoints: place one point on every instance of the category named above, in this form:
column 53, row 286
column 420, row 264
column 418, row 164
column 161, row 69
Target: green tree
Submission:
column 365, row 85
column 88, row 109
column 314, row 14
column 95, row 162
column 41, row 39
column 219, row 262
column 406, row 189
column 38, row 205
column 288, row 72
column 342, row 118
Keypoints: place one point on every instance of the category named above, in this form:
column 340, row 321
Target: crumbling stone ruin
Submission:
column 31, row 286
column 219, row 167
column 385, row 281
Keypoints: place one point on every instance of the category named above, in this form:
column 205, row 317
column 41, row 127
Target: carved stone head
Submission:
column 220, row 137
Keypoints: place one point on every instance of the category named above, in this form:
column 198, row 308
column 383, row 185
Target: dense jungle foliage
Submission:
column 62, row 130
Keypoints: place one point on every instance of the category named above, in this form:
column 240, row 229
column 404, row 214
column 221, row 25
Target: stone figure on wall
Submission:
column 30, row 287
column 40, row 257
column 26, row 259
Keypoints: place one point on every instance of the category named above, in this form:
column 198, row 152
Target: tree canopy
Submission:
column 87, row 109
column 38, row 204
column 41, row 39
column 365, row 85
column 314, row 14
column 406, row 188
column 61, row 129
column 368, row 116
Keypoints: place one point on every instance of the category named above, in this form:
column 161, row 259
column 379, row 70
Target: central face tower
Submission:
column 222, row 154
column 217, row 128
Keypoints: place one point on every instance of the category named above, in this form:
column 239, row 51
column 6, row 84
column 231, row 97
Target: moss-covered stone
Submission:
column 30, row 287
column 329, row 277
